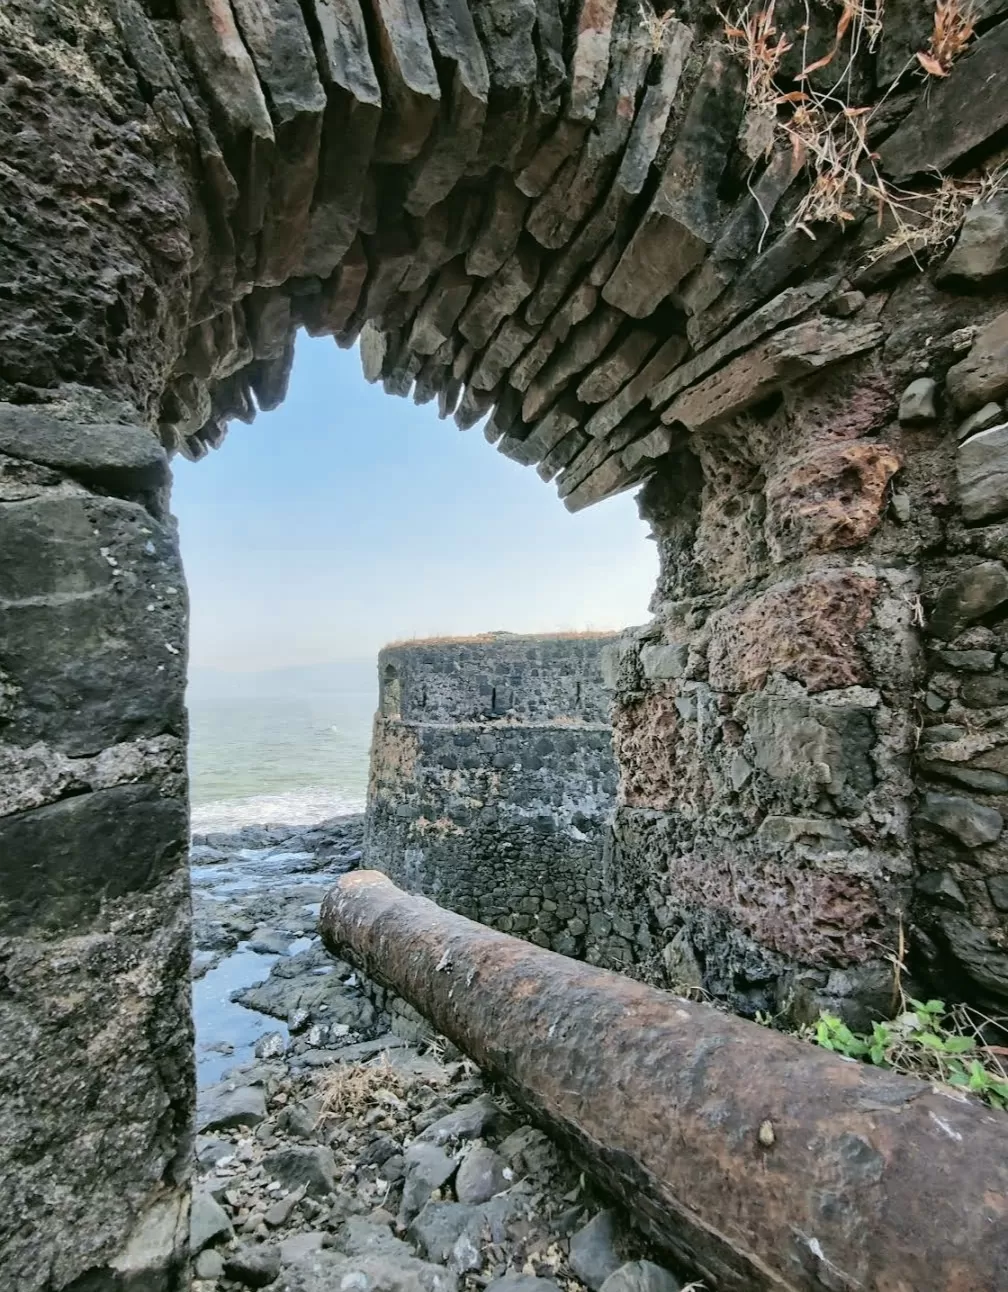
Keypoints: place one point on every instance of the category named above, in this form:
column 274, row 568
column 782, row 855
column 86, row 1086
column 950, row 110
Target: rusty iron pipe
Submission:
column 754, row 1158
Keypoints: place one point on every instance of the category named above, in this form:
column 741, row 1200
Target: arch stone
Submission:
column 574, row 221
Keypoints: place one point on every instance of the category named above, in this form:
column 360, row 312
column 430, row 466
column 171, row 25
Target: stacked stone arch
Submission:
column 543, row 214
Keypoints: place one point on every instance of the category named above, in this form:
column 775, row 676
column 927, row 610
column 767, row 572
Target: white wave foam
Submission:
column 290, row 807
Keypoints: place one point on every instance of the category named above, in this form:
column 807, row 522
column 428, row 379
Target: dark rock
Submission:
column 939, row 886
column 360, row 1237
column 982, row 377
column 997, row 886
column 982, row 420
column 683, row 220
column 426, row 1168
column 971, row 596
column 475, row 1120
column 971, row 823
column 481, row 1175
column 641, row 1276
column 917, row 403
column 323, row 1270
column 227, row 1104
column 503, row 220
column 982, row 473
column 985, row 964
column 521, row 1283
column 946, row 125
column 984, row 692
column 411, row 95
column 973, row 778
column 982, row 249
column 500, row 296
column 253, row 1265
column 125, row 459
column 456, row 137
column 60, row 863
column 593, row 1255
column 92, row 596
column 208, row 1221
column 314, row 1167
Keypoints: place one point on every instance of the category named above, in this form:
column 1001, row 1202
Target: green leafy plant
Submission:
column 927, row 1039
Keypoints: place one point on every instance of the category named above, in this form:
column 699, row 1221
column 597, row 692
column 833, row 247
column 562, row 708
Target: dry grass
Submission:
column 353, row 1088
column 656, row 25
column 482, row 639
column 828, row 132
column 952, row 32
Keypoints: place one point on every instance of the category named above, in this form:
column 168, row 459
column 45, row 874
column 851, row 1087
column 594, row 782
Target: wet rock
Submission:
column 971, row 596
column 917, row 404
column 228, row 1104
column 982, row 249
column 482, row 1174
column 982, row 473
column 314, row 1167
column 473, row 1120
column 971, row 823
column 641, row 1276
column 593, row 1255
column 270, row 942
column 208, row 1221
column 253, row 1265
column 982, row 377
column 982, row 420
column 427, row 1168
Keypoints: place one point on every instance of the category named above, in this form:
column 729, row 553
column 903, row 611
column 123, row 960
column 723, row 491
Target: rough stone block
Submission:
column 982, row 377
column 411, row 95
column 969, row 597
column 123, row 459
column 947, row 124
column 982, row 474
column 832, row 497
column 93, row 603
column 982, row 249
column 972, row 823
column 806, row 629
column 683, row 219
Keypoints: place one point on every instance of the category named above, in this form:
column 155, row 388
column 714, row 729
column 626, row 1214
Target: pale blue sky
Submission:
column 348, row 518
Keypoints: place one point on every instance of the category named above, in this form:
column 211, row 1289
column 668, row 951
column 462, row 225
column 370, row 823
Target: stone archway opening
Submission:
column 550, row 214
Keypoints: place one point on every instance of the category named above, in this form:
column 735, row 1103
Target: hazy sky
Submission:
column 348, row 518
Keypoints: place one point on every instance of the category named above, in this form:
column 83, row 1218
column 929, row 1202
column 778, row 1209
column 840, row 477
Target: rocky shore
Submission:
column 340, row 1143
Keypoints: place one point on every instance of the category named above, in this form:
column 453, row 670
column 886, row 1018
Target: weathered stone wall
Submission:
column 493, row 781
column 560, row 215
column 803, row 771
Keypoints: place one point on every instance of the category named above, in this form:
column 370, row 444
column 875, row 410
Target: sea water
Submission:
column 287, row 747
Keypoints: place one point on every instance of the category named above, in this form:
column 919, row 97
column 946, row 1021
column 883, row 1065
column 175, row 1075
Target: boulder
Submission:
column 324, row 1270
column 982, row 420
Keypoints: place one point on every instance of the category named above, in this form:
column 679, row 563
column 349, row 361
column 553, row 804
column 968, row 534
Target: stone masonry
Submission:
column 566, row 217
column 493, row 782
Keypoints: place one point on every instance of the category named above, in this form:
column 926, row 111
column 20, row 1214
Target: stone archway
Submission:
column 549, row 213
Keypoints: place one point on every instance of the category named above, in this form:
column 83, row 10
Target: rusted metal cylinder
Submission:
column 756, row 1159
